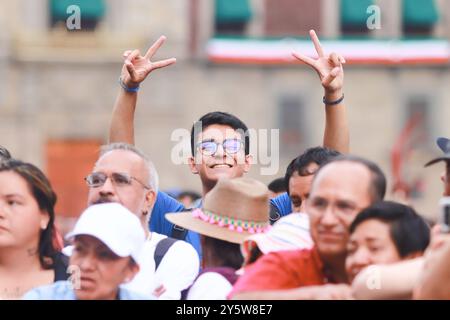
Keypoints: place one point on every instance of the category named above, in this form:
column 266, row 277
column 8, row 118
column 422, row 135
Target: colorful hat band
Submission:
column 231, row 223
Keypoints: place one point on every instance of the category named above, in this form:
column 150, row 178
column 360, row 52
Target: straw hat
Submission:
column 233, row 210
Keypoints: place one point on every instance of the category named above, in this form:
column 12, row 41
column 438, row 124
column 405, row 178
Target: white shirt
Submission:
column 210, row 286
column 178, row 269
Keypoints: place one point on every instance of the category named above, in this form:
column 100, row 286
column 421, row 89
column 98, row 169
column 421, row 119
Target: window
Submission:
column 292, row 17
column 68, row 162
column 419, row 17
column 91, row 12
column 292, row 126
column 231, row 16
column 354, row 16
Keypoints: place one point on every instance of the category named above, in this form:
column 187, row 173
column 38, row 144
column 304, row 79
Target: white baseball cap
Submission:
column 114, row 225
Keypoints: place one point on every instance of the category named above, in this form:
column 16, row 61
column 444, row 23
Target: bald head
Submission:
column 340, row 190
column 349, row 168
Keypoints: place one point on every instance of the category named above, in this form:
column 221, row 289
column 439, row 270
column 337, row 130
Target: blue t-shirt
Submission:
column 63, row 290
column 159, row 224
column 282, row 203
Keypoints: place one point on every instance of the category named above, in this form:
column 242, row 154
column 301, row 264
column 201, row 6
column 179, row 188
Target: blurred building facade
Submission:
column 57, row 87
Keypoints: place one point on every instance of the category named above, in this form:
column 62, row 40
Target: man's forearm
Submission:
column 393, row 281
column 122, row 122
column 336, row 135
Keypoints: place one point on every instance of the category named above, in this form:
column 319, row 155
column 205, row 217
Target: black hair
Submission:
column 377, row 185
column 44, row 195
column 318, row 155
column 409, row 231
column 224, row 118
column 4, row 154
column 228, row 254
column 277, row 185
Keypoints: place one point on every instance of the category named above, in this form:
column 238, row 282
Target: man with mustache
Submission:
column 124, row 175
column 340, row 189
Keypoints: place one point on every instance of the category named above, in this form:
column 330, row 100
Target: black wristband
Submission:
column 331, row 103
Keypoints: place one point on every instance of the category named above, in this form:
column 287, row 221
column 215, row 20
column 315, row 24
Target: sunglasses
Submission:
column 230, row 146
column 98, row 179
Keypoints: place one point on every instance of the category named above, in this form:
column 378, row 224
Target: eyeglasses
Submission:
column 230, row 146
column 97, row 179
column 341, row 209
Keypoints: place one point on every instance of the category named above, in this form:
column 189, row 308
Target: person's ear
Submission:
column 133, row 269
column 192, row 165
column 248, row 162
column 150, row 199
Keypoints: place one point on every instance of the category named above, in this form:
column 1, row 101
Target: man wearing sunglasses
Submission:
column 221, row 147
column 122, row 174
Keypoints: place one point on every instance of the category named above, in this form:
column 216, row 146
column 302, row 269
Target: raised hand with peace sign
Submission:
column 137, row 67
column 331, row 74
column 328, row 67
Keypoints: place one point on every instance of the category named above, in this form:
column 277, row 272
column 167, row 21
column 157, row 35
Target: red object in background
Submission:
column 68, row 162
column 406, row 142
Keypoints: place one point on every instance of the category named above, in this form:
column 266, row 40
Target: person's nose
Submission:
column 220, row 152
column 329, row 218
column 87, row 262
column 107, row 188
column 2, row 211
column 302, row 207
column 360, row 259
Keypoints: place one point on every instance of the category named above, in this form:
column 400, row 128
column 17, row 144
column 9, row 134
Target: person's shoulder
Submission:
column 57, row 290
column 168, row 203
column 289, row 257
column 183, row 250
column 282, row 203
column 126, row 294
column 210, row 286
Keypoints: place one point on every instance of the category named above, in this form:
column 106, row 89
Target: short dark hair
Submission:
column 4, row 154
column 378, row 183
column 228, row 254
column 318, row 155
column 277, row 185
column 224, row 118
column 44, row 195
column 409, row 231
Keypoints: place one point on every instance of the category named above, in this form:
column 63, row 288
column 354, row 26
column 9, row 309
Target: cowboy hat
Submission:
column 233, row 210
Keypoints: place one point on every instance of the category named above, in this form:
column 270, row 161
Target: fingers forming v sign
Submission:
column 137, row 67
column 328, row 67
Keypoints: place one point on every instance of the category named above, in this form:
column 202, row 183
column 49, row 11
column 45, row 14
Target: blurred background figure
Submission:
column 188, row 198
column 276, row 187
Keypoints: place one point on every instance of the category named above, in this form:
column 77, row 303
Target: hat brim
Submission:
column 187, row 221
column 111, row 246
column 436, row 160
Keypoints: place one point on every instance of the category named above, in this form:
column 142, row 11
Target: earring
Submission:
column 43, row 226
